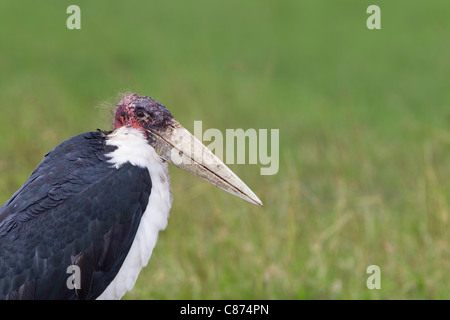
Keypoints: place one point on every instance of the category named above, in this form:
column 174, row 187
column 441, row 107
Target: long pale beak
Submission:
column 179, row 147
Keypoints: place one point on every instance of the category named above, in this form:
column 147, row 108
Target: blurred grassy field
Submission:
column 364, row 120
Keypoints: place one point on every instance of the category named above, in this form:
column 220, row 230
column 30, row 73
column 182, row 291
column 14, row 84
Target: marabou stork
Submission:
column 97, row 201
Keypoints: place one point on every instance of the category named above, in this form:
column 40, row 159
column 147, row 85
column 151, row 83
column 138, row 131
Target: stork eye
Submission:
column 140, row 113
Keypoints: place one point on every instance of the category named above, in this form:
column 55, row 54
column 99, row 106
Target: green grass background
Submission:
column 364, row 118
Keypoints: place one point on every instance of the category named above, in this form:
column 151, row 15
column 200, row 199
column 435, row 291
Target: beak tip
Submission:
column 257, row 202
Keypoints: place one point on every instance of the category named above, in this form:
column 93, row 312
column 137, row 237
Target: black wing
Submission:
column 75, row 209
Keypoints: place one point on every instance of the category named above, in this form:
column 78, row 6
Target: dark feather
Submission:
column 75, row 209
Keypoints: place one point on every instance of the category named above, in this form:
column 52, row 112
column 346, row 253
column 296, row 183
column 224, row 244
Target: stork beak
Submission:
column 179, row 147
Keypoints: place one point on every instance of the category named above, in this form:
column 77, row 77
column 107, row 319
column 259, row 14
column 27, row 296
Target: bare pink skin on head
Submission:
column 141, row 113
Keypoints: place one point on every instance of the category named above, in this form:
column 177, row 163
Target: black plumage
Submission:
column 95, row 212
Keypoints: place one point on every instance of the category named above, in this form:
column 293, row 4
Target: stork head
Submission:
column 178, row 146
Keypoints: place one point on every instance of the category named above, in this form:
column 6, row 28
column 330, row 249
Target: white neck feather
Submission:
column 133, row 147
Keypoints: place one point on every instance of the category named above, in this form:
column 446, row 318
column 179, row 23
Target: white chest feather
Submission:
column 133, row 148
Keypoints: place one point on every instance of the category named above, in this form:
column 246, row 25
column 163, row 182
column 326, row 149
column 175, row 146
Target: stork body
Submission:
column 97, row 201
